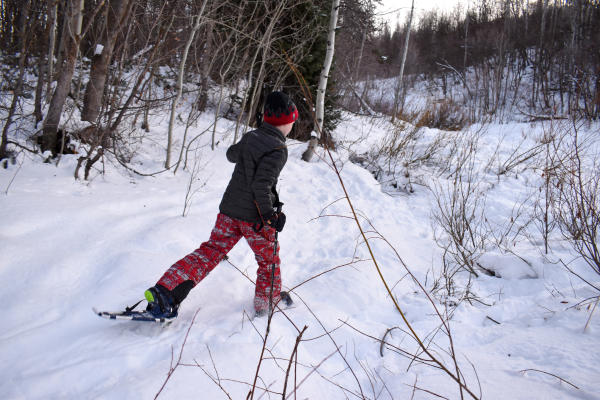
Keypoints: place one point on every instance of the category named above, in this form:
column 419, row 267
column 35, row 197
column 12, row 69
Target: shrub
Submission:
column 444, row 115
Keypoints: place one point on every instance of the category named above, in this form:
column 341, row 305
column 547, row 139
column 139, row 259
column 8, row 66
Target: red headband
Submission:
column 281, row 118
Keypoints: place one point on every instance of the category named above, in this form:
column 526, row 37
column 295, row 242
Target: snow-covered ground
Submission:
column 67, row 246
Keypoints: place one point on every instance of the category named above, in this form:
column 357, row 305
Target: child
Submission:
column 248, row 209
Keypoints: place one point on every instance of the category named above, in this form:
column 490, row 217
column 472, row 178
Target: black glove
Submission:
column 276, row 220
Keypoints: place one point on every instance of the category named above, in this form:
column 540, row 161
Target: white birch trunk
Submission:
column 360, row 56
column 404, row 53
column 52, row 12
column 320, row 105
column 537, row 68
column 467, row 44
column 179, row 85
column 80, row 17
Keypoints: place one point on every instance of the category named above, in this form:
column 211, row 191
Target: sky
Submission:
column 391, row 10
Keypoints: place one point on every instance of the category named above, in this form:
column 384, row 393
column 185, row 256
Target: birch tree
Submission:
column 537, row 70
column 52, row 22
column 320, row 104
column 404, row 52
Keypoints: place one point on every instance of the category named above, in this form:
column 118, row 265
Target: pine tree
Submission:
column 310, row 68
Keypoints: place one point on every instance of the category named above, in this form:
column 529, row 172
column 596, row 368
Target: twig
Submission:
column 592, row 313
column 33, row 151
column 13, row 178
column 315, row 368
column 216, row 381
column 579, row 276
column 173, row 368
column 279, row 309
column 437, row 363
column 477, row 377
column 414, row 388
column 262, row 355
column 335, row 344
column 131, row 169
column 492, row 319
column 196, row 365
column 548, row 373
column 383, row 339
column 427, row 391
column 327, row 271
column 294, row 353
column 324, row 334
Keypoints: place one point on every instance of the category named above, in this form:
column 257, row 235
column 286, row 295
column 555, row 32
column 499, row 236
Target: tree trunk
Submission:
column 467, row 18
column 404, row 52
column 71, row 39
column 207, row 60
column 360, row 55
column 115, row 19
column 39, row 89
column 52, row 11
column 320, row 106
column 537, row 70
column 23, row 41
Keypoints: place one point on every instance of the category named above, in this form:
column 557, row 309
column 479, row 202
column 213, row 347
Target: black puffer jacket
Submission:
column 259, row 157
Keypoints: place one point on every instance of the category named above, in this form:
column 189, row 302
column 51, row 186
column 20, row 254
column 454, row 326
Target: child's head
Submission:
column 279, row 109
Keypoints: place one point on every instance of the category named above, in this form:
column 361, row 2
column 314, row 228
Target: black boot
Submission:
column 286, row 298
column 161, row 304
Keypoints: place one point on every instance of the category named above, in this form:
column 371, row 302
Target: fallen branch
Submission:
column 540, row 117
column 591, row 313
column 19, row 145
column 395, row 349
column 383, row 339
column 548, row 373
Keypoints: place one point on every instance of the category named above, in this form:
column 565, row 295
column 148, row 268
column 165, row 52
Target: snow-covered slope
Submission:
column 66, row 246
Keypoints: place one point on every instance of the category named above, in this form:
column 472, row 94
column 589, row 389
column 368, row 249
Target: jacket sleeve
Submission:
column 233, row 152
column 267, row 172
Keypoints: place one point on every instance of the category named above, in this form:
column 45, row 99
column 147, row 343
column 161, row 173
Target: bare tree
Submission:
column 24, row 41
column 179, row 84
column 577, row 205
column 71, row 39
column 115, row 18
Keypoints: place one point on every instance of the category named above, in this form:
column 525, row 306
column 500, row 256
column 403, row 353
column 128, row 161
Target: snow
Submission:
column 98, row 49
column 67, row 246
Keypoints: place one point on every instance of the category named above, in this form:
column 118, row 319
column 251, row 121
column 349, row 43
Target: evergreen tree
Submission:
column 310, row 69
column 315, row 18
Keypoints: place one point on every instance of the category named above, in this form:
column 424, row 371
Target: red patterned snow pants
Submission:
column 226, row 233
